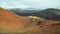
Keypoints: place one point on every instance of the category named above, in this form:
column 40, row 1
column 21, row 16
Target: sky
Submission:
column 30, row 4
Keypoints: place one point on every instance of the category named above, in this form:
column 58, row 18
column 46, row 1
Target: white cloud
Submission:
column 39, row 4
column 43, row 3
column 12, row 4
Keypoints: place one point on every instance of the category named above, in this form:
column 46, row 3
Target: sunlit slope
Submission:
column 14, row 24
column 45, row 27
column 10, row 21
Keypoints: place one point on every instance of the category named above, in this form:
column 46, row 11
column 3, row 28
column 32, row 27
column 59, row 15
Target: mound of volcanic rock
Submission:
column 45, row 27
column 11, row 22
column 14, row 24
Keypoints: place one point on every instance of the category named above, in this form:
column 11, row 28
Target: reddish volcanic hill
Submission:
column 10, row 21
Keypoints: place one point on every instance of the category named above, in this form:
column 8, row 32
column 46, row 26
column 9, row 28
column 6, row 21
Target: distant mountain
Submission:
column 23, row 12
column 18, row 10
column 49, row 13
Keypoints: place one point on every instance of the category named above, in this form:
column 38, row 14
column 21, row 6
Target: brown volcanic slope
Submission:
column 45, row 27
column 10, row 21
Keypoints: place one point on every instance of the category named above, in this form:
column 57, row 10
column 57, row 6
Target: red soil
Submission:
column 10, row 21
column 46, row 27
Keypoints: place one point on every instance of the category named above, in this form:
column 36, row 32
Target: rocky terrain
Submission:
column 10, row 23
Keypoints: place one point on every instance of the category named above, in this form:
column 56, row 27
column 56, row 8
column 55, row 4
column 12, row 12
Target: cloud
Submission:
column 12, row 4
column 43, row 3
column 38, row 4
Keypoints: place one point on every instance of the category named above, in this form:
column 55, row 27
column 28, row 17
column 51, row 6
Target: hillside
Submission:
column 10, row 23
column 23, row 12
column 53, row 14
column 49, row 13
